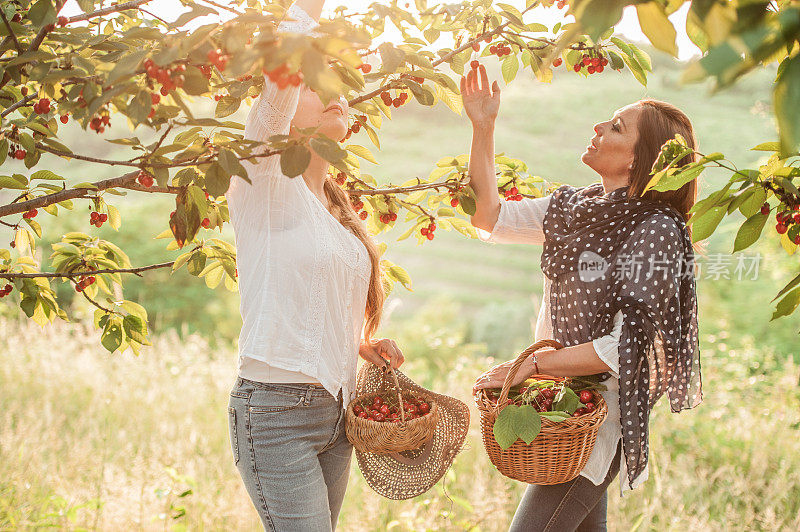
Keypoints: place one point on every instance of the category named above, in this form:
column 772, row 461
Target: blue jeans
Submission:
column 577, row 505
column 290, row 447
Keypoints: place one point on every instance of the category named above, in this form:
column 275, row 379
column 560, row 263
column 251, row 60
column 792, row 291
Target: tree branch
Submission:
column 72, row 193
column 69, row 275
column 19, row 104
column 106, row 10
column 11, row 33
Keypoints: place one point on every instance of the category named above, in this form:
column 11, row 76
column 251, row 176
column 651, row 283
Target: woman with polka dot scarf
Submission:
column 619, row 291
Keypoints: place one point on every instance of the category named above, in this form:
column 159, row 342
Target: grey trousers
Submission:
column 576, row 505
column 289, row 444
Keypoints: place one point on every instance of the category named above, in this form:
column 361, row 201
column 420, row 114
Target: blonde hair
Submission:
column 342, row 210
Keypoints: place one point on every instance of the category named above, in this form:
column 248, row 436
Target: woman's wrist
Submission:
column 483, row 126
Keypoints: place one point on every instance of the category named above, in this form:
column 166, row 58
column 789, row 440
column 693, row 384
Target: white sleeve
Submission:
column 272, row 113
column 519, row 222
column 607, row 347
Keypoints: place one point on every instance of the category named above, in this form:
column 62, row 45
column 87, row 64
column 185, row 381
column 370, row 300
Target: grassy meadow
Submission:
column 95, row 441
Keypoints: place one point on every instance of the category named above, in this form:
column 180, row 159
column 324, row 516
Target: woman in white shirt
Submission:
column 600, row 314
column 310, row 283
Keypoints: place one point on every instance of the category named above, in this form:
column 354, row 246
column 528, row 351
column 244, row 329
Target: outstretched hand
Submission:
column 480, row 101
column 382, row 351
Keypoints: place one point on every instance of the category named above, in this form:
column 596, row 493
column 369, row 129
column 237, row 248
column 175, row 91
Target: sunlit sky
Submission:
column 628, row 26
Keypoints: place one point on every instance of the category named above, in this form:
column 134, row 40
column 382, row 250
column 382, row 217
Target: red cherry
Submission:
column 493, row 49
column 365, row 68
column 796, row 217
column 423, row 231
column 363, row 215
column 599, row 68
column 797, row 239
column 205, row 223
column 586, row 396
column 589, row 406
column 581, row 411
column 397, row 102
column 384, row 410
column 765, row 209
column 64, row 119
column 393, row 216
column 20, row 154
column 781, row 228
column 557, row 62
column 474, row 64
column 577, row 67
column 424, row 408
column 476, row 47
column 454, row 202
column 430, row 236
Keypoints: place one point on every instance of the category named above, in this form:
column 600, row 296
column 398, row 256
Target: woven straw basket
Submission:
column 371, row 436
column 559, row 452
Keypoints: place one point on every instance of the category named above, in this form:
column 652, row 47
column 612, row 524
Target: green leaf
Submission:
column 14, row 182
column 787, row 305
column 42, row 13
column 294, row 160
column 503, row 428
column 657, row 27
column 705, row 224
column 112, row 336
column 753, row 204
column 135, row 328
column 749, row 232
column 134, row 308
column 786, row 97
column 227, row 106
column 328, row 149
column 555, row 416
column 596, row 16
column 509, row 68
column 126, row 66
column 767, row 146
column 138, row 109
column 217, row 180
column 677, row 180
column 362, row 152
column 231, row 163
column 196, row 263
column 46, row 174
column 527, row 423
column 566, row 400
column 391, row 57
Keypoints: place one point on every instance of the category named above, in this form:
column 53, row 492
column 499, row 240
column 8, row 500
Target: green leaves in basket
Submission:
column 516, row 422
column 555, row 416
column 567, row 400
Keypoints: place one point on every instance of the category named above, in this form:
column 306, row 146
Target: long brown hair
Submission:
column 659, row 122
column 344, row 212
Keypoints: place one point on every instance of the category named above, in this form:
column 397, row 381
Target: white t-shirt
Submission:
column 303, row 276
column 521, row 222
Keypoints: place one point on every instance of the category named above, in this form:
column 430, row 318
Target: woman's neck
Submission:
column 315, row 176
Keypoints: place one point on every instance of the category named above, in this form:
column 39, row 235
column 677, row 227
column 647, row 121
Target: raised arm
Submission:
column 272, row 113
column 482, row 104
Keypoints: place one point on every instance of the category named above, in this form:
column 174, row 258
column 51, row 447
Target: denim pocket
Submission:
column 234, row 434
column 270, row 401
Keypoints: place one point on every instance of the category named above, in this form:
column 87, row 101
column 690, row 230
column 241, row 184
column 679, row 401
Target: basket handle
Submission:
column 518, row 362
column 399, row 395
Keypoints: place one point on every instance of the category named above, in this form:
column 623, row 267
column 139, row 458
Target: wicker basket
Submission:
column 371, row 436
column 559, row 452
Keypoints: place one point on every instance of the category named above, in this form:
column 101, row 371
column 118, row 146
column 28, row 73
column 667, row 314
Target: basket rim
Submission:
column 572, row 424
column 353, row 418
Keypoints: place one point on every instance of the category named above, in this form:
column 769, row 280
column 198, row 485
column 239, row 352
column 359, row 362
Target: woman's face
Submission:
column 330, row 119
column 610, row 152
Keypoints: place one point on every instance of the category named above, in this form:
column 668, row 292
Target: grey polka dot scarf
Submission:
column 606, row 253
